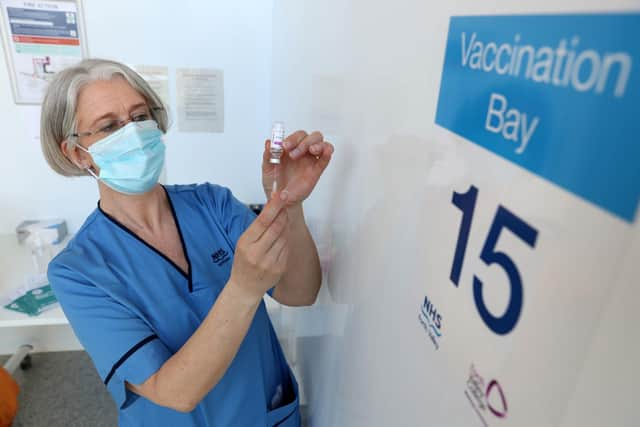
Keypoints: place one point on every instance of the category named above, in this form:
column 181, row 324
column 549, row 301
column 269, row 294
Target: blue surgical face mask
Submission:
column 130, row 159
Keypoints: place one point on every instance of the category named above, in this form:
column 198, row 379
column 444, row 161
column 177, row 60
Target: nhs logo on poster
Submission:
column 431, row 321
column 556, row 95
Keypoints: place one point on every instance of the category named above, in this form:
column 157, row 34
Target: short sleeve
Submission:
column 122, row 346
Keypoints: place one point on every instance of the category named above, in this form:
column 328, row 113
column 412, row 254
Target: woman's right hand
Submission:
column 261, row 253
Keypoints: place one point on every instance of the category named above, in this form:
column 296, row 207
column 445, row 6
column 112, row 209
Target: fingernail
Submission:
column 284, row 196
column 287, row 144
column 295, row 152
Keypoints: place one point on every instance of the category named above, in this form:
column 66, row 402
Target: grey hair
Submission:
column 58, row 116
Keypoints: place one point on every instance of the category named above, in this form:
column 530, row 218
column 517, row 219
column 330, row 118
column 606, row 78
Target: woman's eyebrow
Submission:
column 114, row 115
column 104, row 116
column 136, row 106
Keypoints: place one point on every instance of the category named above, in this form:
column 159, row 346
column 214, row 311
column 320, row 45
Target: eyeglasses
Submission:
column 109, row 126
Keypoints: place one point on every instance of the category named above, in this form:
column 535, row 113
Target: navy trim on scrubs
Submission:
column 187, row 275
column 131, row 309
column 184, row 246
column 294, row 412
column 128, row 354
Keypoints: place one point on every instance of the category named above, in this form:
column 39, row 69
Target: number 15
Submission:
column 503, row 219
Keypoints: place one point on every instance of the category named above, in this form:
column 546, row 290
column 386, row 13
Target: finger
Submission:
column 294, row 139
column 276, row 249
column 283, row 256
column 303, row 147
column 266, row 165
column 272, row 234
column 316, row 149
column 280, row 250
column 267, row 152
column 324, row 159
column 275, row 261
column 267, row 216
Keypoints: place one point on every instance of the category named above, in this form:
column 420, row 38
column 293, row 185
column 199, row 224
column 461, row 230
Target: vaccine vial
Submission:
column 277, row 138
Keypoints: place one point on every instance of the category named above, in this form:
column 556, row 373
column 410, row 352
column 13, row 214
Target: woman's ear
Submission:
column 77, row 157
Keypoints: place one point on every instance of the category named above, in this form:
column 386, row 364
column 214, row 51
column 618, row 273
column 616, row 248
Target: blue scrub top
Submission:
column 132, row 309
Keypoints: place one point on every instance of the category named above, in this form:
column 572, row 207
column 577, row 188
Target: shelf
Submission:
column 15, row 265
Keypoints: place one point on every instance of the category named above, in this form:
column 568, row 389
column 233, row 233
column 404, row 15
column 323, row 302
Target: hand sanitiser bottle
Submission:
column 276, row 149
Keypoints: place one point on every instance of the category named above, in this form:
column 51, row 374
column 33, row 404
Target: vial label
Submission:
column 277, row 137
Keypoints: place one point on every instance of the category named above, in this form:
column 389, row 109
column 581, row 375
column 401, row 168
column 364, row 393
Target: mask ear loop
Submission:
column 88, row 168
column 92, row 173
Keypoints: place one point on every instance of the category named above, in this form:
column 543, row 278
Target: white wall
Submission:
column 368, row 74
column 233, row 36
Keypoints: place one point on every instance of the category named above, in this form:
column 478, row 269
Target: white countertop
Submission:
column 15, row 265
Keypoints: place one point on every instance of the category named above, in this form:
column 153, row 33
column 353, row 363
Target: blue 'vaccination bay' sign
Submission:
column 556, row 94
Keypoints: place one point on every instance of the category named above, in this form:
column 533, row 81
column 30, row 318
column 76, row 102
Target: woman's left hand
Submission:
column 304, row 159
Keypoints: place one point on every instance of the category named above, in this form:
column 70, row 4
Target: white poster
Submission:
column 200, row 94
column 158, row 79
column 40, row 39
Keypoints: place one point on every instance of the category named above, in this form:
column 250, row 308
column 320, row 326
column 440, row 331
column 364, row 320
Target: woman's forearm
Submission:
column 183, row 381
column 301, row 282
column 186, row 378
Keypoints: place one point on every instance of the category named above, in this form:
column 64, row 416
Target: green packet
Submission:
column 35, row 300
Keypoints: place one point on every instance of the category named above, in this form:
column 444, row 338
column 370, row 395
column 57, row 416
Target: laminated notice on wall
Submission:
column 158, row 79
column 40, row 39
column 200, row 96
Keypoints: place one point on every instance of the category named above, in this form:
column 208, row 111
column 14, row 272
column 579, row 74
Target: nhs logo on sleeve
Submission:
column 556, row 95
column 220, row 257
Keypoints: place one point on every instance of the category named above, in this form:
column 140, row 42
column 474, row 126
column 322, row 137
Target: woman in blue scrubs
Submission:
column 164, row 285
